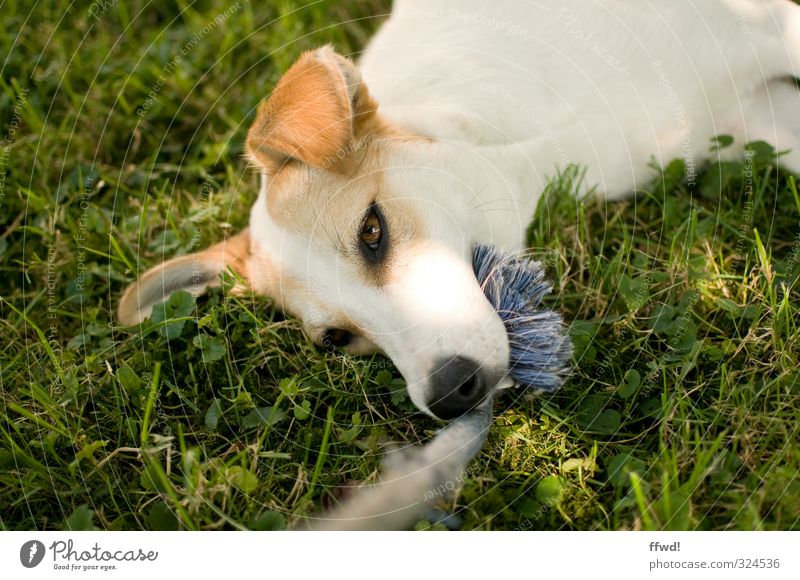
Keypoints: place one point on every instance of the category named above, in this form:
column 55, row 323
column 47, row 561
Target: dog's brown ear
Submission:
column 194, row 273
column 313, row 114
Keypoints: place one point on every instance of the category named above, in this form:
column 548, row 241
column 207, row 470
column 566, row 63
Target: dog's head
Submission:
column 361, row 230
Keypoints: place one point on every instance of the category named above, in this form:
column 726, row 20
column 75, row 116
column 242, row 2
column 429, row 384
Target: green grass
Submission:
column 682, row 411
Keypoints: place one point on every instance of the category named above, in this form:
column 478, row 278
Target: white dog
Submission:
column 378, row 180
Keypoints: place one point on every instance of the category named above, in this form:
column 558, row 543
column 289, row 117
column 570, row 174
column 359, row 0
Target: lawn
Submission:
column 123, row 127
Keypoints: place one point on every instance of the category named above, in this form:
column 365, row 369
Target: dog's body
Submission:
column 607, row 84
column 367, row 216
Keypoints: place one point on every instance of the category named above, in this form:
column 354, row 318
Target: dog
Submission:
column 378, row 179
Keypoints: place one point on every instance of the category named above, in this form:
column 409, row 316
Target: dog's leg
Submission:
column 413, row 481
column 771, row 114
column 791, row 34
column 771, row 28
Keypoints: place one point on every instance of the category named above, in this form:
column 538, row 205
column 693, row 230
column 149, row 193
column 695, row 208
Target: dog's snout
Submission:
column 457, row 385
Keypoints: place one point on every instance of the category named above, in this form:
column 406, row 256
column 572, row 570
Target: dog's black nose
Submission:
column 457, row 386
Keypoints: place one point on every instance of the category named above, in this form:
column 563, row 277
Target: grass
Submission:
column 682, row 411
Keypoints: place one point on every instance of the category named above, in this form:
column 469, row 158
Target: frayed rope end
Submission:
column 540, row 349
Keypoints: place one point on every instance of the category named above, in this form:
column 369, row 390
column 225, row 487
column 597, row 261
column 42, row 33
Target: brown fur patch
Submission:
column 233, row 251
column 312, row 114
column 192, row 272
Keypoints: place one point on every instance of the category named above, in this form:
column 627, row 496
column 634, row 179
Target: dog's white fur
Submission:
column 481, row 102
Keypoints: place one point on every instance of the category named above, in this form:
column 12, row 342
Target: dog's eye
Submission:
column 336, row 338
column 371, row 235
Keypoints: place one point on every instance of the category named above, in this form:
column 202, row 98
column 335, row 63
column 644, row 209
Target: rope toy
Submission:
column 413, row 478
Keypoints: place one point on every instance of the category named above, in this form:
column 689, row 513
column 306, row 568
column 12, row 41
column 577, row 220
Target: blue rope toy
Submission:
column 414, row 477
column 515, row 287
